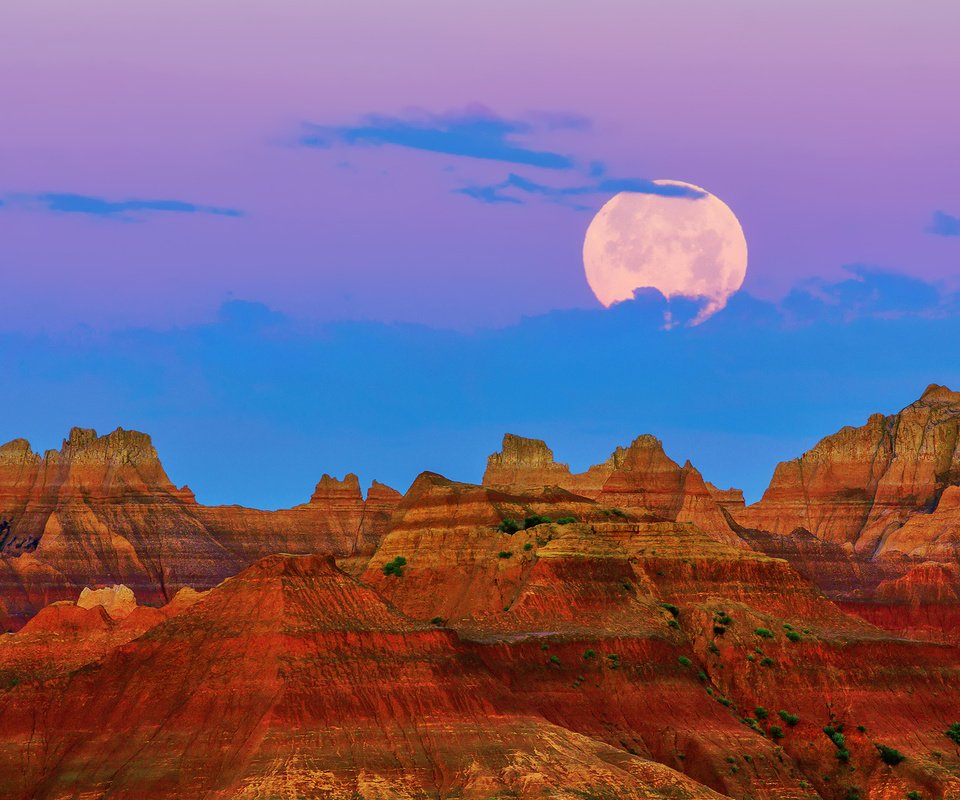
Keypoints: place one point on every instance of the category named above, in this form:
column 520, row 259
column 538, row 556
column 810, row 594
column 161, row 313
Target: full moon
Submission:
column 688, row 244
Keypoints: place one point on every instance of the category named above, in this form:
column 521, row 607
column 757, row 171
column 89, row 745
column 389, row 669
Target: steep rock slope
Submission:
column 860, row 485
column 291, row 679
column 655, row 637
column 102, row 510
column 640, row 477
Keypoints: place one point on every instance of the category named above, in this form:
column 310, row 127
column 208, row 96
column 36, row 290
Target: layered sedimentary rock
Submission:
column 519, row 640
column 860, row 485
column 102, row 511
column 640, row 477
column 65, row 636
column 294, row 680
column 588, row 621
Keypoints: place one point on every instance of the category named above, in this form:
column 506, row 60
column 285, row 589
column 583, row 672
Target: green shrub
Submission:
column 713, row 648
column 672, row 623
column 510, row 526
column 853, row 793
column 588, row 654
column 505, row 554
column 724, row 702
column 528, row 546
column 862, row 728
column 615, row 512
column 763, row 633
column 554, row 659
column 889, row 755
column 766, row 661
column 914, row 795
column 750, row 657
column 793, row 636
column 836, row 737
column 731, row 760
column 535, row 519
column 776, row 732
column 786, row 716
column 671, row 608
column 544, row 646
column 684, row 661
column 953, row 732
column 787, row 626
column 761, row 712
column 566, row 520
column 437, row 621
column 395, row 567
column 843, row 755
column 722, row 618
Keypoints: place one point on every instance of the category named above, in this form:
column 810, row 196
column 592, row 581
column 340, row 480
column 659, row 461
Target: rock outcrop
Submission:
column 292, row 679
column 102, row 511
column 626, row 635
column 860, row 485
column 639, row 478
column 117, row 601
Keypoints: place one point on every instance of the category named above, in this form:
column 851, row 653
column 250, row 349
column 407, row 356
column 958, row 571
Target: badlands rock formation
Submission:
column 860, row 485
column 630, row 631
column 640, row 477
column 102, row 511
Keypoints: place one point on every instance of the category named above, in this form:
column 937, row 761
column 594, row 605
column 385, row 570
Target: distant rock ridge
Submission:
column 102, row 510
column 861, row 485
column 638, row 477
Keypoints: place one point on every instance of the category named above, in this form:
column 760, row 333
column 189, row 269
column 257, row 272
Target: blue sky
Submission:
column 255, row 406
column 348, row 235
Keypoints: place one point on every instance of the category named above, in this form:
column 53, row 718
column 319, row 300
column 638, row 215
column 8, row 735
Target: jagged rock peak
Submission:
column 941, row 395
column 521, row 451
column 330, row 486
column 381, row 491
column 644, row 446
column 83, row 445
column 18, row 451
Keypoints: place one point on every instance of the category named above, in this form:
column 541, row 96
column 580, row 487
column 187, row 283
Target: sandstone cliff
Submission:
column 860, row 485
column 102, row 511
column 640, row 477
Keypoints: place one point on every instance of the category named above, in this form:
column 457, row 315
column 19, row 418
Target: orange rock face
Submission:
column 292, row 679
column 102, row 511
column 631, row 631
column 639, row 478
column 862, row 484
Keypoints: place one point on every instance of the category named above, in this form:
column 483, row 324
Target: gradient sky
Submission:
column 437, row 163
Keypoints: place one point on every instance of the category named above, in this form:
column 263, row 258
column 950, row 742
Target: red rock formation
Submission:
column 729, row 499
column 862, row 484
column 292, row 679
column 640, row 477
column 65, row 636
column 102, row 511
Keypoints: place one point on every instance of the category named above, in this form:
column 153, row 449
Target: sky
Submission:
column 290, row 238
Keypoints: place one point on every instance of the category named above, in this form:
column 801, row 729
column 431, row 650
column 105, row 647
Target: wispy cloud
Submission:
column 944, row 224
column 127, row 210
column 478, row 133
column 507, row 191
column 475, row 132
column 869, row 292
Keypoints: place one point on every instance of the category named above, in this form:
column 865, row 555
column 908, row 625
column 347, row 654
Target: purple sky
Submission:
column 830, row 129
